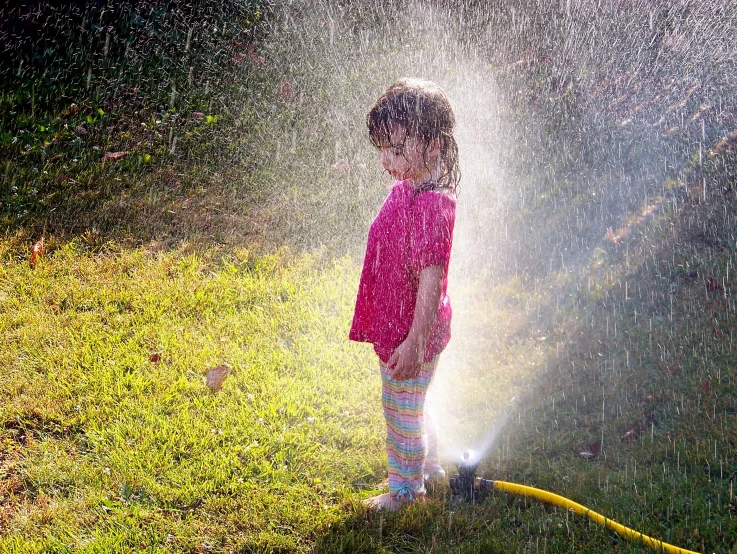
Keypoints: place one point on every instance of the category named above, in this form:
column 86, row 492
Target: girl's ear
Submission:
column 434, row 148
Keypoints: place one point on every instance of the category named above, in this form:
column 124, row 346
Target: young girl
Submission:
column 402, row 305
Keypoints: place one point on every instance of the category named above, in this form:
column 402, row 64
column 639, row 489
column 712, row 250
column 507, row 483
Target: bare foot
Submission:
column 382, row 502
column 387, row 502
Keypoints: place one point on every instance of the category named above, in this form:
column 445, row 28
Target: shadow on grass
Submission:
column 500, row 523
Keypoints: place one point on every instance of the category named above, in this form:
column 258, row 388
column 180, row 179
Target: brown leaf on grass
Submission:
column 37, row 252
column 718, row 148
column 256, row 60
column 239, row 58
column 250, row 56
column 286, row 90
column 198, row 115
column 712, row 285
column 629, row 434
column 706, row 385
column 216, row 376
column 155, row 357
column 702, row 109
column 615, row 239
column 589, row 451
column 114, row 156
column 63, row 179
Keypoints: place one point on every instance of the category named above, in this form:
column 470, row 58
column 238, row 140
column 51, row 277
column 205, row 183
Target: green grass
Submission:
column 145, row 79
column 104, row 447
column 104, row 450
column 212, row 254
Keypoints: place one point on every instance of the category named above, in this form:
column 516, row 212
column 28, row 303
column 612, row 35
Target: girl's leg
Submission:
column 407, row 440
column 432, row 461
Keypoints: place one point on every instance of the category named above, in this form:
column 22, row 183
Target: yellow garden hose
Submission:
column 563, row 502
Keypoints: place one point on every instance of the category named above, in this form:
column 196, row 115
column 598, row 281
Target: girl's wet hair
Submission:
column 424, row 111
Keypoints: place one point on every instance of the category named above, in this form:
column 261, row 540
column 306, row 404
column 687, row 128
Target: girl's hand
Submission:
column 406, row 361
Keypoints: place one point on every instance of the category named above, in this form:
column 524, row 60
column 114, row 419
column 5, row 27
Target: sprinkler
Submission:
column 469, row 488
column 463, row 483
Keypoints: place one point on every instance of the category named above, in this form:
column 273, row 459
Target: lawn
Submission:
column 593, row 281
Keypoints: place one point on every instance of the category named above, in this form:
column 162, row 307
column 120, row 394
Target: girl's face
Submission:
column 409, row 158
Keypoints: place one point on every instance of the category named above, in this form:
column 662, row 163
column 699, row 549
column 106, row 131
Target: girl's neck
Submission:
column 428, row 181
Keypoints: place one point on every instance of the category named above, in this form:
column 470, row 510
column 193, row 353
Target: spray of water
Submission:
column 574, row 119
column 545, row 97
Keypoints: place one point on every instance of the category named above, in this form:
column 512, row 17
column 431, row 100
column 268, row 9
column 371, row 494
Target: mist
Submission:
column 575, row 121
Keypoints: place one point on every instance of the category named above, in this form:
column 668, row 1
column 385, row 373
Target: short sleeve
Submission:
column 432, row 230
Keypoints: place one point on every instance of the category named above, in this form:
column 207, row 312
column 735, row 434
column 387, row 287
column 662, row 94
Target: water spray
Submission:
column 468, row 487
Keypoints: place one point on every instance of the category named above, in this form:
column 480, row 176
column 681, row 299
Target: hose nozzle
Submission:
column 465, row 484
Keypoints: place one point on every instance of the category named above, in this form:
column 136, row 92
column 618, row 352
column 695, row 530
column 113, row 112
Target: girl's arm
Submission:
column 406, row 360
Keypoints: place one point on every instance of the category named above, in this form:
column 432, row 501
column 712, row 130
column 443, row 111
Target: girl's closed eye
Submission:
column 394, row 150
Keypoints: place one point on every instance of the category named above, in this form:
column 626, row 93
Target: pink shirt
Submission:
column 413, row 230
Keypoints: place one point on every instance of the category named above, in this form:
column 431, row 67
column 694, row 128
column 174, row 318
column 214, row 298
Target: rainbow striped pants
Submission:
column 411, row 441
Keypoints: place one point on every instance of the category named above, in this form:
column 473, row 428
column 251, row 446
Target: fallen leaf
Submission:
column 155, row 357
column 718, row 148
column 216, row 376
column 198, row 115
column 114, row 156
column 712, row 285
column 286, row 90
column 630, row 434
column 703, row 108
column 589, row 451
column 239, row 58
column 37, row 252
column 251, row 57
column 256, row 60
column 615, row 239
column 706, row 385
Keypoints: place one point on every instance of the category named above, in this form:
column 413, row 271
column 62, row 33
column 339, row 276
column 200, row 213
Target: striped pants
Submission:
column 411, row 441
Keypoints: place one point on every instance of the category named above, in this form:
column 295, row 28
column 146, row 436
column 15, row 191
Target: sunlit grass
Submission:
column 610, row 357
column 112, row 440
column 106, row 448
column 102, row 444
